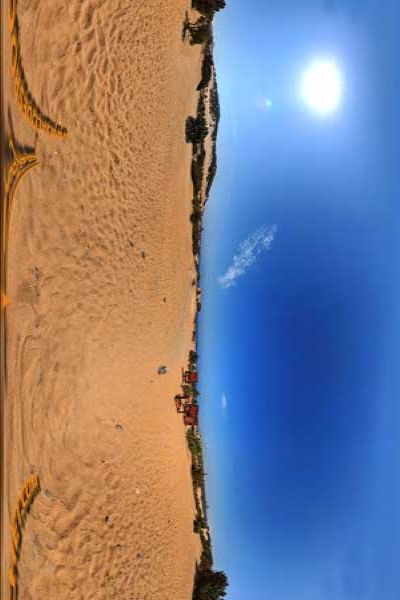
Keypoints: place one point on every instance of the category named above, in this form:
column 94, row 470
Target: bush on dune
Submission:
column 210, row 585
column 208, row 7
column 196, row 130
column 207, row 66
column 200, row 32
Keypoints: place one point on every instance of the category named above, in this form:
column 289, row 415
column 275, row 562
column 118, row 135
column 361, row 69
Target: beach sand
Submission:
column 100, row 279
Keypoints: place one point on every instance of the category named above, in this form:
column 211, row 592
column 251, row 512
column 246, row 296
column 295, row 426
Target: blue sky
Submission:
column 299, row 358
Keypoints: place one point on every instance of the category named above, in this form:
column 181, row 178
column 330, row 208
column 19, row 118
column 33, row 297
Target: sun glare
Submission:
column 321, row 86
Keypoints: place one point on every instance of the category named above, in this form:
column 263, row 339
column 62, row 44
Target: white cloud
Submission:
column 224, row 402
column 248, row 251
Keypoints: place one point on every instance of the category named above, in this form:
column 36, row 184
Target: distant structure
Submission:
column 190, row 421
column 180, row 401
column 191, row 410
column 191, row 377
column 191, row 414
column 184, row 404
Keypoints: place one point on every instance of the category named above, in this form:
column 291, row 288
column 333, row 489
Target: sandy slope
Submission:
column 100, row 281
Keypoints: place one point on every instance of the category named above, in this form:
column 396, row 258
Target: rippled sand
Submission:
column 100, row 278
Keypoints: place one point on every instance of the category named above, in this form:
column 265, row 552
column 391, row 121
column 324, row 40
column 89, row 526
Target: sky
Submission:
column 300, row 323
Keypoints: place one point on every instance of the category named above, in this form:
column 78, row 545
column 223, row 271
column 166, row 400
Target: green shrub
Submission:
column 200, row 32
column 207, row 65
column 210, row 585
column 196, row 129
column 208, row 7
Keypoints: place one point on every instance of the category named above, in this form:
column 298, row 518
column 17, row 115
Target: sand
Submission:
column 100, row 280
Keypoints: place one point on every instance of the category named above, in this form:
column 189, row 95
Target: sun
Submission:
column 321, row 86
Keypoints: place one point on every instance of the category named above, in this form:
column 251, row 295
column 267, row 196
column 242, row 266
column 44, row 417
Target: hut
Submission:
column 191, row 377
column 180, row 401
column 189, row 421
column 191, row 410
column 178, row 404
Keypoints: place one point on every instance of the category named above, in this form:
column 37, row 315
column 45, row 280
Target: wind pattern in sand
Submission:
column 24, row 502
column 26, row 103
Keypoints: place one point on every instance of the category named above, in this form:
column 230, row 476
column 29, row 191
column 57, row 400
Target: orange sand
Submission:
column 100, row 274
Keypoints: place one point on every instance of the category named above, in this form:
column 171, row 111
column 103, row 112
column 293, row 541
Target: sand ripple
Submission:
column 100, row 279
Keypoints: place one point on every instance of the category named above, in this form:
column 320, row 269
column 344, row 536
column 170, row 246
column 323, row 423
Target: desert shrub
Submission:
column 201, row 105
column 208, row 7
column 197, row 173
column 199, row 32
column 196, row 129
column 198, row 523
column 193, row 356
column 210, row 585
column 212, row 169
column 207, row 66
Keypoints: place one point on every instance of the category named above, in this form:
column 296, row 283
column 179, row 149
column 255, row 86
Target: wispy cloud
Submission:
column 224, row 402
column 248, row 251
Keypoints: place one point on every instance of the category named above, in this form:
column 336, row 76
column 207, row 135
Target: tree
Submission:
column 196, row 130
column 208, row 7
column 210, row 585
column 200, row 31
column 207, row 66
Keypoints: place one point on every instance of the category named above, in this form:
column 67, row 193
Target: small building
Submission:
column 191, row 377
column 191, row 410
column 178, row 404
column 180, row 401
column 189, row 421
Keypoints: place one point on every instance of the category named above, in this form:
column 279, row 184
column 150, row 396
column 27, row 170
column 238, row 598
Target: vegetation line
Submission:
column 201, row 131
column 208, row 584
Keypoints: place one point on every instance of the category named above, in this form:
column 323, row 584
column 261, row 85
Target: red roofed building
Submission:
column 191, row 377
column 191, row 410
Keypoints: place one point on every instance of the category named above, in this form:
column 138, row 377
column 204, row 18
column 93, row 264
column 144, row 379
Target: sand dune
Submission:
column 100, row 274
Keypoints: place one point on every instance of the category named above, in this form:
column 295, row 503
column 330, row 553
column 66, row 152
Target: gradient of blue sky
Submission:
column 299, row 360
